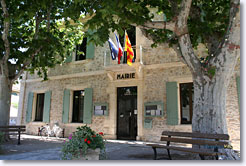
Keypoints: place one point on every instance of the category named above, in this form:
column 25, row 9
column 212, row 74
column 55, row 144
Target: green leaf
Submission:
column 211, row 71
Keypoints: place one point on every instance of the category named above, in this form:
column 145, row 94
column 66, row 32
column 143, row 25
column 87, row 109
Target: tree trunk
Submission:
column 5, row 100
column 209, row 113
column 209, row 108
column 211, row 82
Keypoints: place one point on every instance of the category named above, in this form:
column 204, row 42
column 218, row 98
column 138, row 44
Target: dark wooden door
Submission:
column 127, row 113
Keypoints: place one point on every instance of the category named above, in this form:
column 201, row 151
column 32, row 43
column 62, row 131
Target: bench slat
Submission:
column 197, row 135
column 14, row 130
column 16, row 133
column 4, row 127
column 194, row 141
column 206, row 152
column 10, row 130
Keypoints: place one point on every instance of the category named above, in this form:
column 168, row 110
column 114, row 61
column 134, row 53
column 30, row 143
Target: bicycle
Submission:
column 46, row 131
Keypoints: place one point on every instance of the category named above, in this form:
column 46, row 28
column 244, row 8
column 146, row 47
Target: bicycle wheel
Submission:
column 43, row 132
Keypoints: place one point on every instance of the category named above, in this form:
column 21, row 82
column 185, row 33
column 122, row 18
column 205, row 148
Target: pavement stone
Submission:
column 37, row 148
column 47, row 154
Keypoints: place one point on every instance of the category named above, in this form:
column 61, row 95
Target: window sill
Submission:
column 185, row 124
column 75, row 123
column 181, row 126
column 101, row 115
column 153, row 116
column 38, row 122
column 80, row 62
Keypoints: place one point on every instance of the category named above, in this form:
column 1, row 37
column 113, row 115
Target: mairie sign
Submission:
column 125, row 76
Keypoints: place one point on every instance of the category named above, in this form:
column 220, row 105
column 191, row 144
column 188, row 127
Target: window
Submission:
column 186, row 102
column 81, row 50
column 39, row 107
column 78, row 106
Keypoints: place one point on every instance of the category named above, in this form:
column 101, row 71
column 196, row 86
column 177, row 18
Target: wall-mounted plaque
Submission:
column 153, row 109
column 100, row 109
column 147, row 123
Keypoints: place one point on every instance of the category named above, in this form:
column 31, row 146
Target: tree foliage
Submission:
column 39, row 35
column 207, row 22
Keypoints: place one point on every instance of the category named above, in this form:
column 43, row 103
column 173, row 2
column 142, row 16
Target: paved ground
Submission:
column 37, row 148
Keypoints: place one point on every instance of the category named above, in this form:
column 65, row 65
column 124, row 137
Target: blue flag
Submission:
column 113, row 49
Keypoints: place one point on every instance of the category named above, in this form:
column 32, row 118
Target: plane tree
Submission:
column 186, row 23
column 32, row 39
column 35, row 35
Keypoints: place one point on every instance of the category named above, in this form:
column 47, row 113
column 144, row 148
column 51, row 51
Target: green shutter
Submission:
column 172, row 103
column 164, row 17
column 238, row 90
column 47, row 100
column 66, row 106
column 88, row 106
column 90, row 48
column 29, row 107
column 148, row 123
column 106, row 112
column 69, row 58
column 108, row 58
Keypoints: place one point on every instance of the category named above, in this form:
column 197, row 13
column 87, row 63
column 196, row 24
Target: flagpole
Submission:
column 124, row 41
column 124, row 48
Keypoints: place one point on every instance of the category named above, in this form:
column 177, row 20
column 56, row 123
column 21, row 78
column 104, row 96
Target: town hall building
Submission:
column 135, row 102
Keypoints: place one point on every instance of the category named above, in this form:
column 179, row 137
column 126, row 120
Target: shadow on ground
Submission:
column 29, row 144
column 38, row 148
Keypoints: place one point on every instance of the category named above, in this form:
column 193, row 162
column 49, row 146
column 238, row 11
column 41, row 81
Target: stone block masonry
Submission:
column 159, row 66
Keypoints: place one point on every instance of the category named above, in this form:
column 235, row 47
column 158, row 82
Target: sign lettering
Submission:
column 125, row 76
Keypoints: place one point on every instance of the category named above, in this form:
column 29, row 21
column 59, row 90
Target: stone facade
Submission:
column 154, row 67
column 233, row 114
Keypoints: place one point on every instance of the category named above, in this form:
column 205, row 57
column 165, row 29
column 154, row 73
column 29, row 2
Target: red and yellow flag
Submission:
column 129, row 50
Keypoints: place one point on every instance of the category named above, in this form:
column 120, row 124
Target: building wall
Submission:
column 155, row 90
column 57, row 89
column 233, row 114
column 159, row 65
column 77, row 67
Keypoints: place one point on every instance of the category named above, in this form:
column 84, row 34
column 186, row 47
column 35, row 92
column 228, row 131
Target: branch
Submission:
column 5, row 38
column 188, row 54
column 178, row 24
column 181, row 24
column 229, row 50
column 48, row 17
column 174, row 6
column 1, row 71
column 27, row 63
column 232, row 37
column 181, row 31
column 185, row 10
column 38, row 20
column 176, row 48
column 157, row 25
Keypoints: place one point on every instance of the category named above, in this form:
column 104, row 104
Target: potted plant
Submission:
column 84, row 144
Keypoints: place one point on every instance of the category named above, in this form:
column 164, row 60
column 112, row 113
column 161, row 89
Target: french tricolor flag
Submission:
column 120, row 50
column 113, row 49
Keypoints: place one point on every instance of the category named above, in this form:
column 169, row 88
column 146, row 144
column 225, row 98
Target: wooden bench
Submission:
column 208, row 143
column 13, row 130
